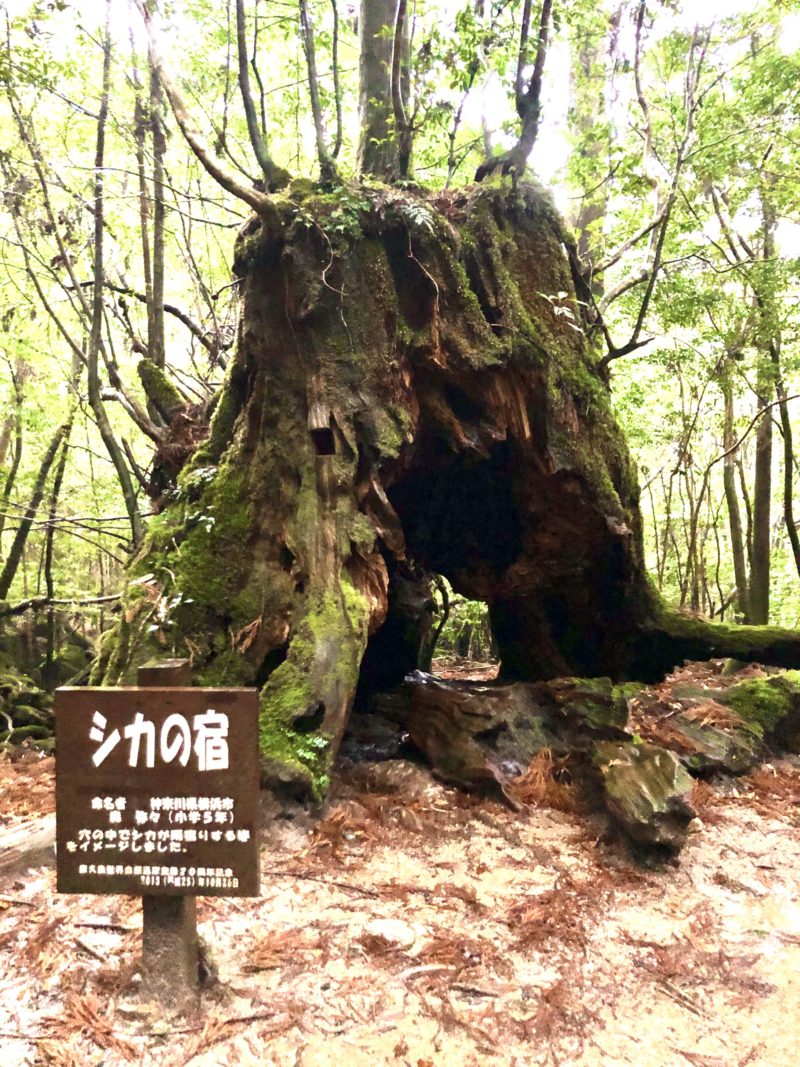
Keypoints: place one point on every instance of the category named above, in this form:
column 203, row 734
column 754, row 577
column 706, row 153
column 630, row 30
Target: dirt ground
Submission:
column 419, row 926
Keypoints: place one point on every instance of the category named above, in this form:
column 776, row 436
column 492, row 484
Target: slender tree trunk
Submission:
column 734, row 514
column 13, row 426
column 376, row 153
column 788, row 476
column 327, row 168
column 17, row 549
column 273, row 175
column 95, row 337
column 400, row 80
column 58, row 481
column 140, row 126
column 157, row 349
column 767, row 378
column 587, row 122
column 758, row 592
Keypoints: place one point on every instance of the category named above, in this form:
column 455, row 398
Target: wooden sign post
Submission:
column 157, row 796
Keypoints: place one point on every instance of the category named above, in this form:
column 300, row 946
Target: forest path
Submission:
column 419, row 926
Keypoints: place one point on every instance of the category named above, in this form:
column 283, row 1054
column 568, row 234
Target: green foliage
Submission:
column 724, row 315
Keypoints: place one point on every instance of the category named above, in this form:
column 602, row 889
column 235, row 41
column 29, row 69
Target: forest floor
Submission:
column 417, row 925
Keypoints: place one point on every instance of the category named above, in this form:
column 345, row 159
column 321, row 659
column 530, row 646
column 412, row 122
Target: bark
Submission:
column 113, row 448
column 14, row 557
column 376, row 153
column 758, row 592
column 403, row 402
column 734, row 514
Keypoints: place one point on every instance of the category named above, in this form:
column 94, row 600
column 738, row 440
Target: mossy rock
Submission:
column 647, row 791
column 732, row 750
column 595, row 701
column 771, row 706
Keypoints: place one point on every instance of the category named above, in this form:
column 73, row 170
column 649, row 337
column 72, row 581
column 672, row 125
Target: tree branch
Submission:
column 35, row 603
column 265, row 161
column 258, row 201
column 327, row 168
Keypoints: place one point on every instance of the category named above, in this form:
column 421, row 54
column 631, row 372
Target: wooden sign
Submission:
column 157, row 791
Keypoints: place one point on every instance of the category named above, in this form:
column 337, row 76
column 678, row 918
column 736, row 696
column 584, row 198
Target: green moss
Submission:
column 627, row 690
column 220, row 431
column 362, row 532
column 723, row 639
column 594, row 700
column 301, row 189
column 765, row 702
column 321, row 667
column 218, row 528
column 159, row 390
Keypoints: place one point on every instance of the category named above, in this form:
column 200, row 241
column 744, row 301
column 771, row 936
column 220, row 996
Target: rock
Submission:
column 771, row 706
column 477, row 735
column 594, row 701
column 712, row 748
column 394, row 932
column 647, row 791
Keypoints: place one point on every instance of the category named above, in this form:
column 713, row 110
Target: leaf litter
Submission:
column 443, row 929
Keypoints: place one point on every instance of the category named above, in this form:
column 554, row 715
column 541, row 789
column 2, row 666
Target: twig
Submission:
column 476, row 990
column 753, row 421
column 256, row 1017
column 98, row 925
column 86, row 947
column 325, row 881
column 34, row 603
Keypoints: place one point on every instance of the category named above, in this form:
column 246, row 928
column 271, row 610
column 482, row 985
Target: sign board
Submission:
column 157, row 791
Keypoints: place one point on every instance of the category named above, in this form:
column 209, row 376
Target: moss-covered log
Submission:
column 412, row 391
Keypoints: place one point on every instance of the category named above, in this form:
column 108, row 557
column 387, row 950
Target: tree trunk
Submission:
column 404, row 400
column 376, row 150
column 734, row 514
column 15, row 554
column 758, row 593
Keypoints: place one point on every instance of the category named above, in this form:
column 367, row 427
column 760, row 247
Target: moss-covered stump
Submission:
column 412, row 392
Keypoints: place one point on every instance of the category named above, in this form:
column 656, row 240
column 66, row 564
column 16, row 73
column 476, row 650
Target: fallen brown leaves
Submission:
column 709, row 713
column 547, row 783
column 272, row 949
column 26, row 785
column 773, row 790
column 88, row 1016
column 559, row 914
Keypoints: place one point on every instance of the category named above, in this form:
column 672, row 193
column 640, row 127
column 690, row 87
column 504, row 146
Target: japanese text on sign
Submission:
column 150, row 776
column 174, row 740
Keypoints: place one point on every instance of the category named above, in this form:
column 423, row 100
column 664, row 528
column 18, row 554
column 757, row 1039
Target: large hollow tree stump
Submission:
column 414, row 389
